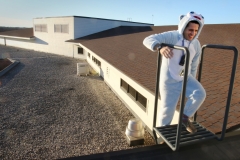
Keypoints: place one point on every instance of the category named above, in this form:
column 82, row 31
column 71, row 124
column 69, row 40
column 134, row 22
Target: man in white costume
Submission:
column 171, row 77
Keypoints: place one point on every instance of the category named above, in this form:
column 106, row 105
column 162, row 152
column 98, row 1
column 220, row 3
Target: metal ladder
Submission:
column 176, row 135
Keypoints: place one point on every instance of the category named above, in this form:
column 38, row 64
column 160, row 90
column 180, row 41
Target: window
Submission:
column 132, row 91
column 89, row 55
column 61, row 28
column 96, row 61
column 80, row 50
column 64, row 28
column 99, row 63
column 40, row 27
column 124, row 85
column 57, row 28
column 139, row 98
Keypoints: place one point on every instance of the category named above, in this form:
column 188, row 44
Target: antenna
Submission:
column 129, row 19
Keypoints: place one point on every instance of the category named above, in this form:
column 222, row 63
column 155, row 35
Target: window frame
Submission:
column 40, row 28
column 80, row 50
column 61, row 28
column 138, row 98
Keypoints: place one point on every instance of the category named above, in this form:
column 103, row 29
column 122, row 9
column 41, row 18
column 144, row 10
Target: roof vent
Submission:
column 135, row 132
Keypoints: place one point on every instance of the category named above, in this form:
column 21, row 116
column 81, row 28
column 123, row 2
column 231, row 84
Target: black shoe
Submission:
column 189, row 126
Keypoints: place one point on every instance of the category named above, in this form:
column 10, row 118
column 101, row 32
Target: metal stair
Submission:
column 177, row 135
column 168, row 133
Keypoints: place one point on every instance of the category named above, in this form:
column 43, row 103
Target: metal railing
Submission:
column 234, row 66
column 206, row 134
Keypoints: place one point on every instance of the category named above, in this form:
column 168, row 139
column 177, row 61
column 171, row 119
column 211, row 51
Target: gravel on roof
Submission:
column 48, row 112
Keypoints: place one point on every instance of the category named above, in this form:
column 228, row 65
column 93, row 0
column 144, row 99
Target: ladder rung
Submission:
column 185, row 134
column 183, row 130
column 189, row 138
column 169, row 134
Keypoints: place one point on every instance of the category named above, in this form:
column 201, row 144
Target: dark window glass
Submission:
column 141, row 99
column 99, row 63
column 132, row 91
column 80, row 50
column 124, row 85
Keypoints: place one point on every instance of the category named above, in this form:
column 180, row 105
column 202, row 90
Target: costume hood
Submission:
column 191, row 16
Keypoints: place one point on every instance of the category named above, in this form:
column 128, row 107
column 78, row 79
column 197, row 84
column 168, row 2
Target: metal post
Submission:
column 156, row 94
column 182, row 95
column 234, row 66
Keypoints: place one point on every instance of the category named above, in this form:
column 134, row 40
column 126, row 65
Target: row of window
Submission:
column 125, row 86
column 129, row 89
column 58, row 28
column 134, row 94
column 96, row 61
column 80, row 51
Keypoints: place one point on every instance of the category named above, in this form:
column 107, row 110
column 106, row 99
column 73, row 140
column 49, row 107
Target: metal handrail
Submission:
column 234, row 66
column 186, row 51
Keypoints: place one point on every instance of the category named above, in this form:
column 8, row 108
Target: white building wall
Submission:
column 78, row 27
column 112, row 77
column 75, row 52
column 52, row 42
column 55, row 41
column 21, row 43
column 85, row 26
column 2, row 41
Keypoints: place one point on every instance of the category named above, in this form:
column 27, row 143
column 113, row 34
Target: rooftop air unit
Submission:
column 82, row 69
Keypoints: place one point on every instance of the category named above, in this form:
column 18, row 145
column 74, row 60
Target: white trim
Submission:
column 26, row 38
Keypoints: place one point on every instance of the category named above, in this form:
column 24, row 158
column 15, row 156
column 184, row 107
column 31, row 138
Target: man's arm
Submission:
column 153, row 42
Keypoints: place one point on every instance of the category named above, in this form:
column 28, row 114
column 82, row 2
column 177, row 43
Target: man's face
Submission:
column 191, row 31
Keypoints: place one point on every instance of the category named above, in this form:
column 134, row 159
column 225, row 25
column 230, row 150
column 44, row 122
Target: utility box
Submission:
column 82, row 69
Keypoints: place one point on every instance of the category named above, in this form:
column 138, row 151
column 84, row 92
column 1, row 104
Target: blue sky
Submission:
column 19, row 13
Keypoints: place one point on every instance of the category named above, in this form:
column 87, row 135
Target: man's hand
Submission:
column 166, row 52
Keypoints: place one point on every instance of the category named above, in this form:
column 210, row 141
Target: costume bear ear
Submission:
column 181, row 17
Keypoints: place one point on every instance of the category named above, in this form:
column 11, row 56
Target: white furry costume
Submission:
column 170, row 79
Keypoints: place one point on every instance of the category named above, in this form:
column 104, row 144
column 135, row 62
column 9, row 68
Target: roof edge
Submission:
column 93, row 18
column 26, row 38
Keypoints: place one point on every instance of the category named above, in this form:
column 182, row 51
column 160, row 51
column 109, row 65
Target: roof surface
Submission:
column 24, row 33
column 212, row 149
column 122, row 47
